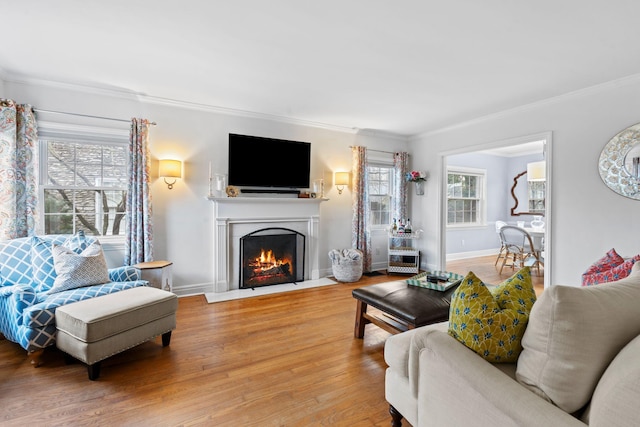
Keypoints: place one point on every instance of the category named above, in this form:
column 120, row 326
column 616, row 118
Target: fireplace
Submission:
column 235, row 217
column 271, row 256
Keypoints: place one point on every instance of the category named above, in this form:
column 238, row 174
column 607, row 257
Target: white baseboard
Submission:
column 473, row 254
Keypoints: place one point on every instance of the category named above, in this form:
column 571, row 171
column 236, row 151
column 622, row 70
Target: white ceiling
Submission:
column 404, row 67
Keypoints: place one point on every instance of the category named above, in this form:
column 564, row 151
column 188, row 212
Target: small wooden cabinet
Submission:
column 403, row 256
column 157, row 273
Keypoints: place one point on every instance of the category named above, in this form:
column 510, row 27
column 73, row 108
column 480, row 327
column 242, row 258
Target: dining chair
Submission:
column 503, row 249
column 520, row 247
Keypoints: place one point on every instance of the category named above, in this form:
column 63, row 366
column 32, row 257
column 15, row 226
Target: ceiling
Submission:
column 401, row 67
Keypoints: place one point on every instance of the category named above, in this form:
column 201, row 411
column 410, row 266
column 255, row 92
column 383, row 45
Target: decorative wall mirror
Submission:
column 619, row 163
column 534, row 193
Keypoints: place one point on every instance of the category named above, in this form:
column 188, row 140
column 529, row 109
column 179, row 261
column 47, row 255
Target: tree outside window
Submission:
column 84, row 187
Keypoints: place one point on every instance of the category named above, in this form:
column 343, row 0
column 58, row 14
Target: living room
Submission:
column 581, row 116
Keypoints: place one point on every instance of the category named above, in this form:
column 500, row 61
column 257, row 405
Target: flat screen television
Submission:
column 268, row 163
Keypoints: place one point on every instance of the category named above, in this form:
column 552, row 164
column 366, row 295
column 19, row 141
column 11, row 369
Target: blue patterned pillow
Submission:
column 44, row 273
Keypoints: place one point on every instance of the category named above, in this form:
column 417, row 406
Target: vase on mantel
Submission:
column 419, row 188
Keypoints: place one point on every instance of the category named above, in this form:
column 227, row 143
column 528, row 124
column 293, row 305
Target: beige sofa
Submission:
column 580, row 365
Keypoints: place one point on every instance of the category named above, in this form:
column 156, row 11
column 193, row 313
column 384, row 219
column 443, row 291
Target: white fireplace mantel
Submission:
column 237, row 216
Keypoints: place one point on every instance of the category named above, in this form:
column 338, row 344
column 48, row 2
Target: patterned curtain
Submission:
column 139, row 231
column 18, row 170
column 399, row 201
column 360, row 236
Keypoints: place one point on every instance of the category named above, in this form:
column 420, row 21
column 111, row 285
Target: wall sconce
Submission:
column 536, row 171
column 341, row 180
column 170, row 169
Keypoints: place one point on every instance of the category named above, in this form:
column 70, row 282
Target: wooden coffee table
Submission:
column 402, row 306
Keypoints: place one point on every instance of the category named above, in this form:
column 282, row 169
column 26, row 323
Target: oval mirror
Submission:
column 619, row 163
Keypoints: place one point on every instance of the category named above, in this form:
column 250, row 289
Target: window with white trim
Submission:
column 465, row 196
column 380, row 186
column 83, row 184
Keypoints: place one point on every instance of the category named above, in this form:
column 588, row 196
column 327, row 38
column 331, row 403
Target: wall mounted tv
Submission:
column 268, row 163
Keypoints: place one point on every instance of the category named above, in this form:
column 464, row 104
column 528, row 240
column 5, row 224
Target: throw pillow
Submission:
column 516, row 292
column 478, row 322
column 44, row 273
column 573, row 334
column 79, row 270
column 607, row 262
column 616, row 273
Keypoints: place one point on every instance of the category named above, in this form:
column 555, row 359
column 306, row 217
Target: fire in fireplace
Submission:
column 271, row 256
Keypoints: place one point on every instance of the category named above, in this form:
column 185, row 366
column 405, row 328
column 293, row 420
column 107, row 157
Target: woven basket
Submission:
column 346, row 264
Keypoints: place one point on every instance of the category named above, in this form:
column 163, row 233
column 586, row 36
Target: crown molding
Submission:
column 383, row 134
column 167, row 102
column 612, row 84
column 116, row 92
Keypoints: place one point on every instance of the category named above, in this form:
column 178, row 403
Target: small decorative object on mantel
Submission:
column 318, row 188
column 232, row 191
column 417, row 177
column 619, row 163
column 210, row 182
column 220, row 181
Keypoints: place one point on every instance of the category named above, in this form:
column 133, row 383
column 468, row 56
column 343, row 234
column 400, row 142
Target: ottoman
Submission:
column 96, row 328
column 403, row 307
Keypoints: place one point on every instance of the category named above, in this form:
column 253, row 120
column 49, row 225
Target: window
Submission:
column 536, row 196
column 465, row 196
column 380, row 182
column 83, row 186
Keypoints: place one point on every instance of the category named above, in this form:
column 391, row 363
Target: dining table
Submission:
column 537, row 235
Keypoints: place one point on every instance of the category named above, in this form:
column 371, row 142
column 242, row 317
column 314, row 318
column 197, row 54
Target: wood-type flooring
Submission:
column 287, row 359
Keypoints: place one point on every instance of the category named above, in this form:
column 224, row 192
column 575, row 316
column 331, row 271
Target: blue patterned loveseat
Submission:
column 27, row 274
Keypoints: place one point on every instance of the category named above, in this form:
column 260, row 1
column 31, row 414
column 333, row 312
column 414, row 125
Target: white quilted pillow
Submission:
column 79, row 270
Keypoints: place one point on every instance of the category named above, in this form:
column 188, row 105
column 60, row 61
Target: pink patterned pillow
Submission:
column 607, row 262
column 616, row 273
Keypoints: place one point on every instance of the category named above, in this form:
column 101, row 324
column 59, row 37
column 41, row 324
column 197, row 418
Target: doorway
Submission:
column 511, row 146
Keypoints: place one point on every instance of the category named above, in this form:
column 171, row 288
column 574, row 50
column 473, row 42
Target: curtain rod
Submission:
column 379, row 151
column 86, row 115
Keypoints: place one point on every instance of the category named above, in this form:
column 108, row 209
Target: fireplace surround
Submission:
column 235, row 217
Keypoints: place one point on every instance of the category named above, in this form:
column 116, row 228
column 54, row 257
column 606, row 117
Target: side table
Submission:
column 158, row 273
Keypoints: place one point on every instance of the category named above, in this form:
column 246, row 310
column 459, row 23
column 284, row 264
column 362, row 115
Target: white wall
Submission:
column 183, row 217
column 588, row 218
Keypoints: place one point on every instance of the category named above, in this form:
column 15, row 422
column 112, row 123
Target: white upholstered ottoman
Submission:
column 96, row 328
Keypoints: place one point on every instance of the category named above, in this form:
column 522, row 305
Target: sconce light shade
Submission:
column 170, row 169
column 342, row 180
column 536, row 171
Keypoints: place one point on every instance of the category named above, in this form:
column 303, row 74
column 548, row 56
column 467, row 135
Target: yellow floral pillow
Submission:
column 491, row 329
column 516, row 292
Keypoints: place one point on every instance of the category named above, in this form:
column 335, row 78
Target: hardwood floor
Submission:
column 287, row 359
column 484, row 268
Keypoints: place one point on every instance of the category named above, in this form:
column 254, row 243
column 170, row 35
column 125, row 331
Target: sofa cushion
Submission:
column 79, row 270
column 44, row 273
column 615, row 399
column 616, row 273
column 572, row 336
column 478, row 322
